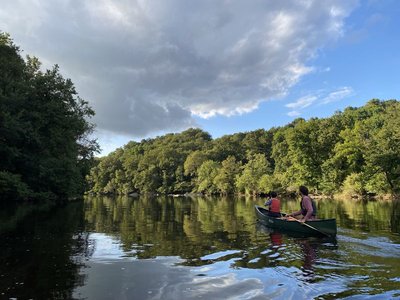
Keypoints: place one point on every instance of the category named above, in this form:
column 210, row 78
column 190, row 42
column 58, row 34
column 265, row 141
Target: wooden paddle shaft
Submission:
column 308, row 225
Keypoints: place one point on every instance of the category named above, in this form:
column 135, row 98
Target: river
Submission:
column 197, row 248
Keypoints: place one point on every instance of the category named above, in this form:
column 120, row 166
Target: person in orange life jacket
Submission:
column 307, row 206
column 274, row 205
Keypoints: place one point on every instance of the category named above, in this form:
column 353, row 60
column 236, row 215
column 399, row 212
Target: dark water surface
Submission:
column 197, row 248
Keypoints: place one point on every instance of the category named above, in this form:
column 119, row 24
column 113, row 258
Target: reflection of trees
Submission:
column 192, row 227
column 351, row 213
column 366, row 215
column 188, row 226
column 41, row 257
column 395, row 216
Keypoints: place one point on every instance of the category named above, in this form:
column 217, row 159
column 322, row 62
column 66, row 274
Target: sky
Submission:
column 151, row 67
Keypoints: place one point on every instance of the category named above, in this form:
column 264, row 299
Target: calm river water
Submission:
column 197, row 248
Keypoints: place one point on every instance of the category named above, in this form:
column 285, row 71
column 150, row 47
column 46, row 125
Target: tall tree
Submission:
column 44, row 128
column 226, row 175
column 206, row 174
column 249, row 180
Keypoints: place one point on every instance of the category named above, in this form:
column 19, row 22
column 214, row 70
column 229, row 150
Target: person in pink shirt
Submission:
column 308, row 208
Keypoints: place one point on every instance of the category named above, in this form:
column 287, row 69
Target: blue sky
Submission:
column 153, row 67
column 366, row 60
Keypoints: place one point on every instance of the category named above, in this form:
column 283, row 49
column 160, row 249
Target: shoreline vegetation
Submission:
column 355, row 153
column 339, row 196
column 48, row 155
column 45, row 145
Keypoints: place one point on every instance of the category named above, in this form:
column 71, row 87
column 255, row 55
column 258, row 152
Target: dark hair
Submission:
column 303, row 190
column 273, row 194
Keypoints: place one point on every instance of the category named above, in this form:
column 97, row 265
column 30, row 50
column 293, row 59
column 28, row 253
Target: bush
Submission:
column 354, row 185
column 12, row 187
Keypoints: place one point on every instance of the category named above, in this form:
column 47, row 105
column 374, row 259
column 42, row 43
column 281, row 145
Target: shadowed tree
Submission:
column 44, row 130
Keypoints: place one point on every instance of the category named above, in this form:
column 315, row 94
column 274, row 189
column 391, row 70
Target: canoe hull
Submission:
column 327, row 226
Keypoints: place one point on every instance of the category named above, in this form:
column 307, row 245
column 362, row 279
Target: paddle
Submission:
column 305, row 224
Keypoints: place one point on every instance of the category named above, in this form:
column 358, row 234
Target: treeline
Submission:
column 45, row 151
column 355, row 151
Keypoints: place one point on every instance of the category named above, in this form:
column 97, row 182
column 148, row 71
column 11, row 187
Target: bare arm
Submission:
column 296, row 213
column 268, row 202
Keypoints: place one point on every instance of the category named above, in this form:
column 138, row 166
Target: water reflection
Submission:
column 42, row 256
column 395, row 216
column 310, row 255
column 195, row 227
column 290, row 249
column 184, row 248
column 186, row 226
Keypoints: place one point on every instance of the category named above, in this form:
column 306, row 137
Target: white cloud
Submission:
column 319, row 97
column 147, row 66
column 293, row 113
column 338, row 95
column 303, row 102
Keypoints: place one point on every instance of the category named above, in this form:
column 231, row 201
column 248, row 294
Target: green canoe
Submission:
column 323, row 227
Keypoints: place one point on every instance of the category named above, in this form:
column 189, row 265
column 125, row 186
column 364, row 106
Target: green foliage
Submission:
column 164, row 164
column 227, row 145
column 383, row 147
column 12, row 187
column 355, row 151
column 207, row 172
column 224, row 181
column 249, row 180
column 354, row 184
column 44, row 129
column 270, row 182
column 369, row 148
column 193, row 161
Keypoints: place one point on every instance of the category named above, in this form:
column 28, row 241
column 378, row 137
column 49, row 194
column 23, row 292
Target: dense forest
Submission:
column 46, row 150
column 45, row 145
column 356, row 151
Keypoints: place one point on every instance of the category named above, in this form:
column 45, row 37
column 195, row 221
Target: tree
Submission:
column 249, row 180
column 227, row 145
column 382, row 147
column 44, row 128
column 193, row 161
column 355, row 150
column 206, row 174
column 224, row 181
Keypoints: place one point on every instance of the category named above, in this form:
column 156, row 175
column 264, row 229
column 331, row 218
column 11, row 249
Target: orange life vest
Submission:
column 275, row 205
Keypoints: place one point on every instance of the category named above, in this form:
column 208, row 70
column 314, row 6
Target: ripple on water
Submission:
column 374, row 246
column 331, row 264
column 221, row 254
